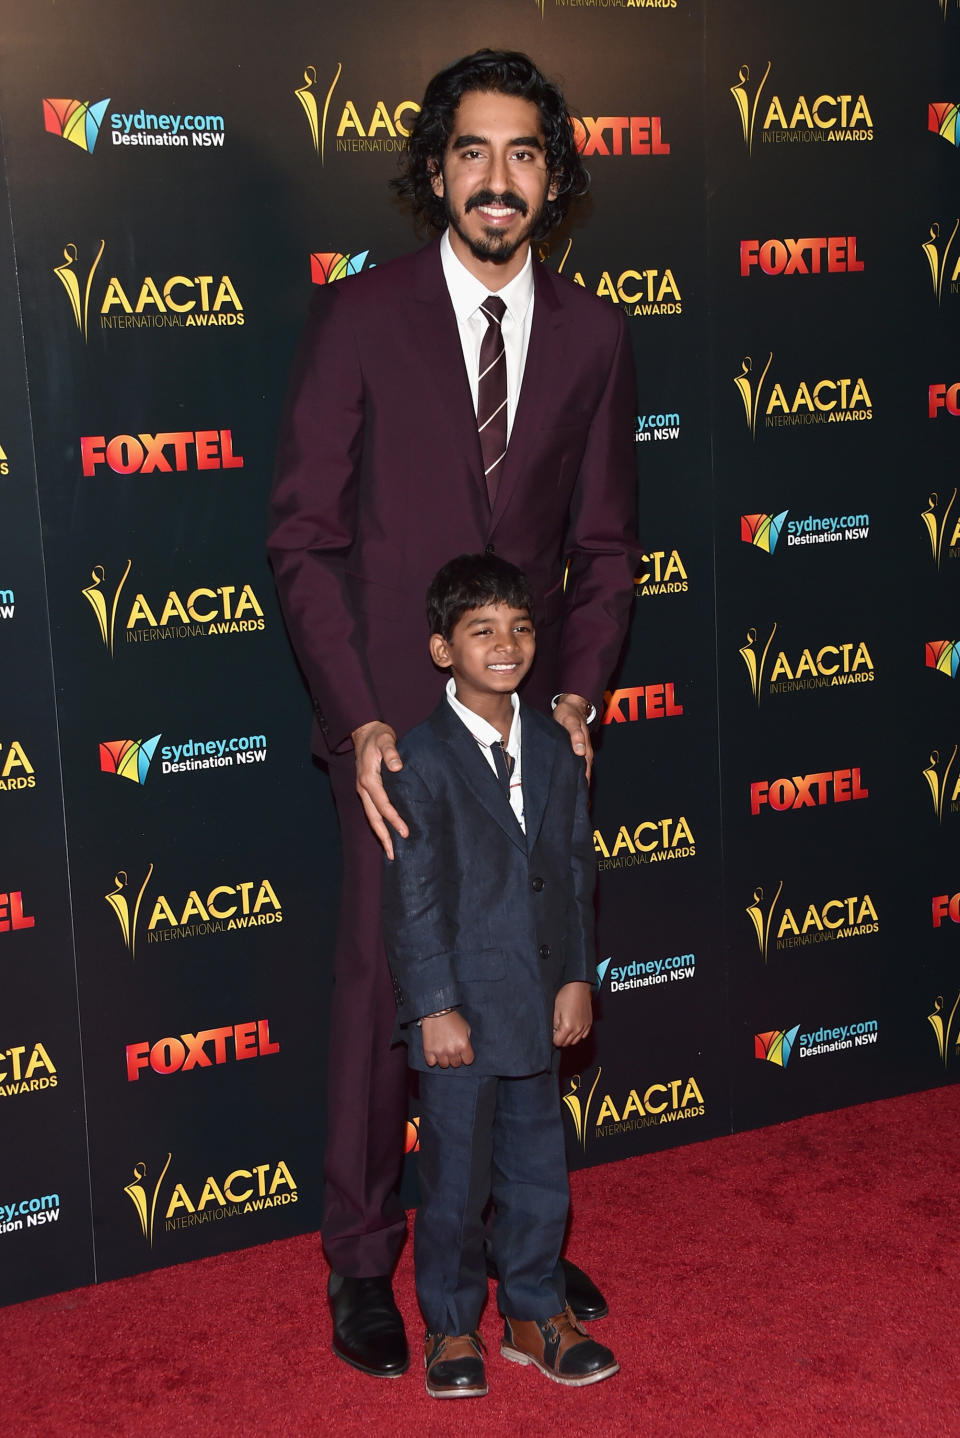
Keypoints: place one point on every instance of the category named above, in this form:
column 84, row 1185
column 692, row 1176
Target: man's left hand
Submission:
column 571, row 711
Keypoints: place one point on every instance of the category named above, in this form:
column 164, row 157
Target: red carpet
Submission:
column 802, row 1280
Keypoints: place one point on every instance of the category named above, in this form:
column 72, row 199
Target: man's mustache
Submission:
column 487, row 197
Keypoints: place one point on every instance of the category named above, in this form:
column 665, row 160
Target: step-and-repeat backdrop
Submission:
column 776, row 210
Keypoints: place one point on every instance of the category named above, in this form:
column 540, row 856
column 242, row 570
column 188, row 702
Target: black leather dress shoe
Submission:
column 367, row 1327
column 583, row 1295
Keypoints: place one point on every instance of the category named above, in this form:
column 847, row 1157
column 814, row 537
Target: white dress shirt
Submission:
column 485, row 735
column 467, row 294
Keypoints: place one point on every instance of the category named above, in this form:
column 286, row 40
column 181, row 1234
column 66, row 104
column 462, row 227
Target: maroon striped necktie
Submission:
column 492, row 396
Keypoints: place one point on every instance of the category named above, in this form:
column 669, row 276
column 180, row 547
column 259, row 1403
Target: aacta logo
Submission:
column 638, row 292
column 623, row 706
column 12, row 916
column 662, row 572
column 328, row 266
column 4, row 462
column 179, row 301
column 852, row 917
column 762, row 530
column 943, row 655
column 16, row 771
column 942, row 120
column 180, row 450
column 246, row 1190
column 652, row 841
column 249, row 904
column 939, row 523
column 828, row 666
column 807, row 791
column 827, row 117
column 128, row 758
column 388, row 127
column 827, row 254
column 943, row 781
column 941, row 255
column 17, row 1076
column 823, row 401
column 78, row 121
column 660, row 1103
column 620, row 135
column 189, row 1051
column 200, row 612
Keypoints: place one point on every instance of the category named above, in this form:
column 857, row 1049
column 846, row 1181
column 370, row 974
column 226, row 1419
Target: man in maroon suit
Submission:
column 455, row 400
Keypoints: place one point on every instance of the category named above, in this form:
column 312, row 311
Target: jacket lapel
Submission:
column 441, row 354
column 543, row 366
column 538, row 749
column 479, row 778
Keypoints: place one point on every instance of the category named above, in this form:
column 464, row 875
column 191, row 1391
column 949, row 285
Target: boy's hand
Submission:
column 572, row 1015
column 446, row 1040
column 375, row 744
column 571, row 711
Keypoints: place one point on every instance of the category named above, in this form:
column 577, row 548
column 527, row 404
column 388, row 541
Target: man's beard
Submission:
column 495, row 246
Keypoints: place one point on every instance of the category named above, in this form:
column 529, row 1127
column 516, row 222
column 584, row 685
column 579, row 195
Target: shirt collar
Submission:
column 467, row 293
column 481, row 730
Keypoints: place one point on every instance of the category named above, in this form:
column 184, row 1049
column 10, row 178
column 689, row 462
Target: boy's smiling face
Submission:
column 488, row 653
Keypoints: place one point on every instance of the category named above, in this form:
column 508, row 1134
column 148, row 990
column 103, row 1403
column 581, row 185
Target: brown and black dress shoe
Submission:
column 454, row 1365
column 367, row 1327
column 560, row 1348
column 582, row 1294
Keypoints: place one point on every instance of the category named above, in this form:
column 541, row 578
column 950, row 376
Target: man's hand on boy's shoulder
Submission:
column 572, row 1014
column 571, row 712
column 446, row 1040
column 375, row 744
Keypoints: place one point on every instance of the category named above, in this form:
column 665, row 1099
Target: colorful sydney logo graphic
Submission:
column 942, row 120
column 762, row 530
column 137, row 1194
column 948, row 1034
column 775, row 1046
column 938, row 253
column 938, row 777
column 943, row 655
column 78, row 121
column 128, row 758
column 325, row 267
column 936, row 521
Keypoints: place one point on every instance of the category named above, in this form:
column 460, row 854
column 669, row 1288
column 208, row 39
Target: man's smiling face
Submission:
column 494, row 183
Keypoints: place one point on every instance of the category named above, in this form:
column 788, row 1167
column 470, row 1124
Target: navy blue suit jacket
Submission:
column 475, row 912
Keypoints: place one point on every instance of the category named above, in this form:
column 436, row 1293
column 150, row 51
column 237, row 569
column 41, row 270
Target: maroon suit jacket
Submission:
column 379, row 481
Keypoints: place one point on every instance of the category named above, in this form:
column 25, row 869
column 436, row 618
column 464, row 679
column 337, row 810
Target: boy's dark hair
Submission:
column 469, row 582
column 504, row 72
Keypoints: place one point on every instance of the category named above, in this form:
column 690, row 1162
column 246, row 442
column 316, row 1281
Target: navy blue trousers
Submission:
column 483, row 1136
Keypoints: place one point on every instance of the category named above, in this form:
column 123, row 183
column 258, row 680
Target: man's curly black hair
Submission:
column 506, row 72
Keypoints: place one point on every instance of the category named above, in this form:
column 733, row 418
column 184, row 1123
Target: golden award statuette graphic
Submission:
column 936, row 523
column 97, row 599
column 948, row 1034
column 763, row 922
column 579, row 1111
column 747, row 107
column 939, row 779
column 938, row 255
column 751, row 397
column 756, row 664
column 120, row 904
column 316, row 121
column 66, row 274
column 137, row 1194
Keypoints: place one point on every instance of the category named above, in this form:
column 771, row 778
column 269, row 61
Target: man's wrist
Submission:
column 437, row 1014
column 588, row 711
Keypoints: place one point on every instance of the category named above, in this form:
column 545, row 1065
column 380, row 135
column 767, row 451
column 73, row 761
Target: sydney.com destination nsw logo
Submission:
column 777, row 1046
column 765, row 531
column 81, row 121
column 132, row 758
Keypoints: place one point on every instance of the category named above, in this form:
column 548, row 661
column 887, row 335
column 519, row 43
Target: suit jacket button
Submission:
column 536, row 884
column 489, row 549
column 544, row 951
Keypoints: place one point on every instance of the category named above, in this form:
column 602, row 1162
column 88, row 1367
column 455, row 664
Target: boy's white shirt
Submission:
column 486, row 734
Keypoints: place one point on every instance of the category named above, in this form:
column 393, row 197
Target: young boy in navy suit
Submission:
column 488, row 921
